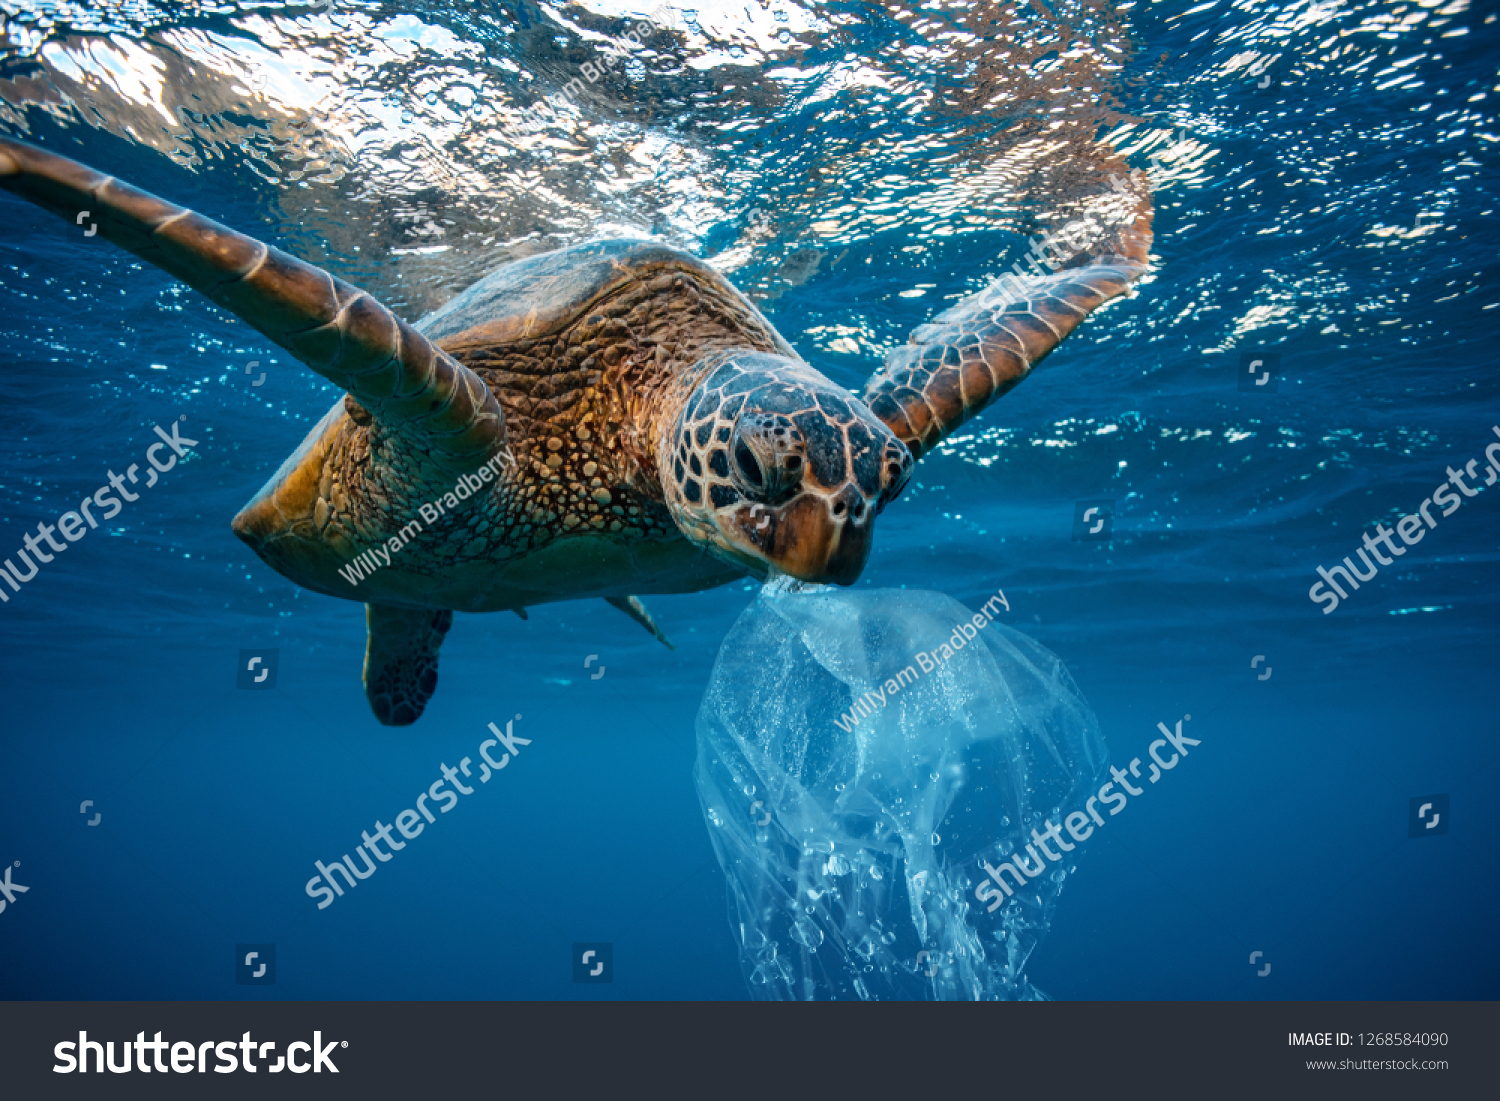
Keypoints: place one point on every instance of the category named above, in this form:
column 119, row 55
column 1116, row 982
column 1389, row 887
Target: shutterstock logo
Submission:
column 1259, row 372
column 1428, row 816
column 258, row 669
column 10, row 889
column 594, row 963
column 255, row 964
column 1093, row 521
column 409, row 823
column 189, row 1056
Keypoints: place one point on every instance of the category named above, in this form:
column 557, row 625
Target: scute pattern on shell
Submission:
column 580, row 402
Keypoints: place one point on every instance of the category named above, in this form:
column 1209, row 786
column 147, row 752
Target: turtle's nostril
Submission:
column 849, row 505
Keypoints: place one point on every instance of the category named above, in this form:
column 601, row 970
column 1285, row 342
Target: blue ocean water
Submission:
column 1325, row 188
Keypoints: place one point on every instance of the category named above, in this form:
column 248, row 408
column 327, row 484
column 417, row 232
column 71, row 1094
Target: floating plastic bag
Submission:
column 859, row 755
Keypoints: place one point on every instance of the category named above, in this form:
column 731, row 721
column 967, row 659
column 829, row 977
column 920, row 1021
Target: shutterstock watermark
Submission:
column 409, row 823
column 1049, row 251
column 1411, row 529
column 928, row 660
column 190, row 1056
column 71, row 524
column 1080, row 825
column 9, row 889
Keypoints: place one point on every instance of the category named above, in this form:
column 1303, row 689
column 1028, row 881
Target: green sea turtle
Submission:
column 602, row 421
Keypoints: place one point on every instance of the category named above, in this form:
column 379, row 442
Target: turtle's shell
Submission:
column 541, row 294
column 293, row 523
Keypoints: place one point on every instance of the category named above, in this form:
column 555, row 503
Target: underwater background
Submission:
column 1325, row 187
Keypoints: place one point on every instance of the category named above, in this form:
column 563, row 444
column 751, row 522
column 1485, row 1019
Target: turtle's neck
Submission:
column 682, row 329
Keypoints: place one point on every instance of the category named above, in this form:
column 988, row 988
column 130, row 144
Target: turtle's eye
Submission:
column 749, row 465
column 768, row 459
column 898, row 469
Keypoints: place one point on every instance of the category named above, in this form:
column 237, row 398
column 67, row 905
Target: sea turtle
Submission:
column 605, row 420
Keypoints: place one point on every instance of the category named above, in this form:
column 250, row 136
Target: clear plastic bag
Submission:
column 860, row 754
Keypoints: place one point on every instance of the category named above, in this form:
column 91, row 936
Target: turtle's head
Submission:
column 769, row 464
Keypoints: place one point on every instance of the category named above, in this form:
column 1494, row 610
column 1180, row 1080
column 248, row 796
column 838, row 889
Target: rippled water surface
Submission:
column 1324, row 181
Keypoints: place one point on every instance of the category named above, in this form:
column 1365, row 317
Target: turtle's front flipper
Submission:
column 632, row 606
column 410, row 386
column 974, row 352
column 401, row 660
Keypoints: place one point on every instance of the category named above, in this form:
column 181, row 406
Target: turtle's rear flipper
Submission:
column 632, row 606
column 401, row 660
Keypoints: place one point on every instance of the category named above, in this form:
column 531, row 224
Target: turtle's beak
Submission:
column 814, row 537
